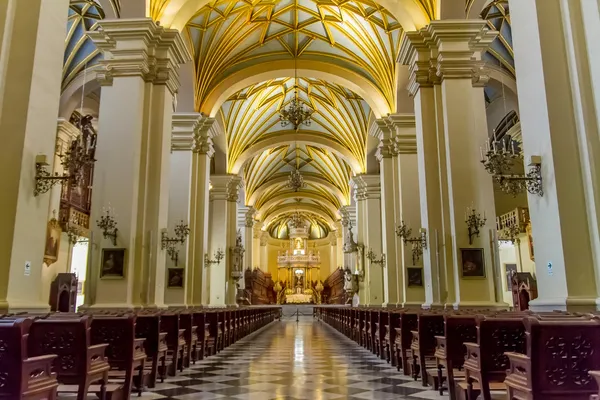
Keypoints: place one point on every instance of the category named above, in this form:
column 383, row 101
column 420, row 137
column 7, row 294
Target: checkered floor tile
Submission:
column 304, row 360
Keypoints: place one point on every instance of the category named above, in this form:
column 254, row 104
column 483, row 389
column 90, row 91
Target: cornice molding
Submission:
column 142, row 48
column 367, row 186
column 182, row 135
column 448, row 49
column 225, row 187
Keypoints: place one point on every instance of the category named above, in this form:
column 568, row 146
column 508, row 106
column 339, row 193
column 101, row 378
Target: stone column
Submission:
column 368, row 196
column 139, row 76
column 264, row 251
column 180, row 199
column 456, row 48
column 392, row 283
column 256, row 232
column 223, row 224
column 199, row 208
column 32, row 41
column 333, row 261
column 558, row 76
column 248, row 242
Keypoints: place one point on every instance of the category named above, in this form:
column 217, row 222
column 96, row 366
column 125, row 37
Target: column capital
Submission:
column 65, row 133
column 225, row 187
column 450, row 49
column 401, row 131
column 139, row 47
column 182, row 134
column 249, row 217
column 367, row 186
column 256, row 230
column 264, row 238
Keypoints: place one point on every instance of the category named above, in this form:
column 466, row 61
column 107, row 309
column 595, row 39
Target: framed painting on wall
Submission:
column 113, row 264
column 53, row 232
column 530, row 241
column 510, row 270
column 175, row 277
column 414, row 276
column 473, row 265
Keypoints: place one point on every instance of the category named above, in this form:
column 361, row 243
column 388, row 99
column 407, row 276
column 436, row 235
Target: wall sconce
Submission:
column 474, row 222
column 499, row 161
column 511, row 234
column 218, row 257
column 359, row 275
column 44, row 179
column 108, row 224
column 418, row 243
column 374, row 260
column 182, row 231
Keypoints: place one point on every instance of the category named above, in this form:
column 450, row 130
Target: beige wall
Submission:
column 509, row 254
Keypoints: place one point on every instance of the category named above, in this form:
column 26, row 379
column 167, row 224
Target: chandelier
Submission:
column 296, row 181
column 295, row 114
column 297, row 221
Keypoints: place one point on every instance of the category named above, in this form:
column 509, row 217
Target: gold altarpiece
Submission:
column 297, row 266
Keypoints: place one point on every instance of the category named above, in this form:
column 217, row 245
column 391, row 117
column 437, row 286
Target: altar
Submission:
column 298, row 266
column 298, row 298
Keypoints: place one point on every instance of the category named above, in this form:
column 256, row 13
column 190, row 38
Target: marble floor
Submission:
column 292, row 360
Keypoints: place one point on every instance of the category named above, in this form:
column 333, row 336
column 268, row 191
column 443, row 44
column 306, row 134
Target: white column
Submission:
column 558, row 75
column 368, row 195
column 223, row 215
column 333, row 261
column 389, row 187
column 264, row 251
column 180, row 195
column 31, row 58
column 256, row 232
column 139, row 76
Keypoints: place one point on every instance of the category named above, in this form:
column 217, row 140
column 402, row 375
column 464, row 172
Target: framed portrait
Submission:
column 473, row 265
column 510, row 269
column 175, row 277
column 414, row 276
column 53, row 232
column 113, row 264
column 530, row 241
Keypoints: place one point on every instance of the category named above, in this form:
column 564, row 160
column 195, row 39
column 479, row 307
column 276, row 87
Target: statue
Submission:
column 348, row 278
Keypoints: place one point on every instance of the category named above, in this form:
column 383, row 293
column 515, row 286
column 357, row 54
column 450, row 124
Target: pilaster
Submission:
column 223, row 224
column 139, row 74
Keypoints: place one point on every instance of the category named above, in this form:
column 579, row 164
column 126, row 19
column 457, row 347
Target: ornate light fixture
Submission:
column 295, row 114
column 418, row 243
column 182, row 231
column 296, row 180
column 499, row 160
column 474, row 222
column 511, row 234
column 108, row 224
column 297, row 221
column 373, row 258
column 78, row 155
column 219, row 254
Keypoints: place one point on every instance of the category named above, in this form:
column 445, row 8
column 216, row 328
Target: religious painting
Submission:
column 414, row 276
column 113, row 264
column 473, row 265
column 53, row 232
column 530, row 241
column 510, row 270
column 175, row 277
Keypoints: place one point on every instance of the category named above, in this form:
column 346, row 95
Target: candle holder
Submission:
column 499, row 161
column 474, row 222
column 108, row 224
column 418, row 243
column 511, row 234
column 182, row 231
column 218, row 257
column 374, row 260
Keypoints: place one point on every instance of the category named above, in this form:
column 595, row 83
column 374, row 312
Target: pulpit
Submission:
column 63, row 293
column 524, row 289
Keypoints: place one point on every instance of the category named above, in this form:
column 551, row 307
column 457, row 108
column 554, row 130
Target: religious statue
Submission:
column 298, row 244
column 348, row 280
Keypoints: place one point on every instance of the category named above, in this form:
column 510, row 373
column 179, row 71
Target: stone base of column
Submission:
column 427, row 306
column 573, row 304
column 480, row 305
column 15, row 307
column 411, row 304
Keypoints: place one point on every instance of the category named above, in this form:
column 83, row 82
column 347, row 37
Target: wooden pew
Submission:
column 78, row 363
column 407, row 322
column 486, row 363
column 176, row 347
column 450, row 350
column 125, row 352
column 155, row 346
column 23, row 377
column 429, row 325
column 559, row 355
column 199, row 321
column 191, row 338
